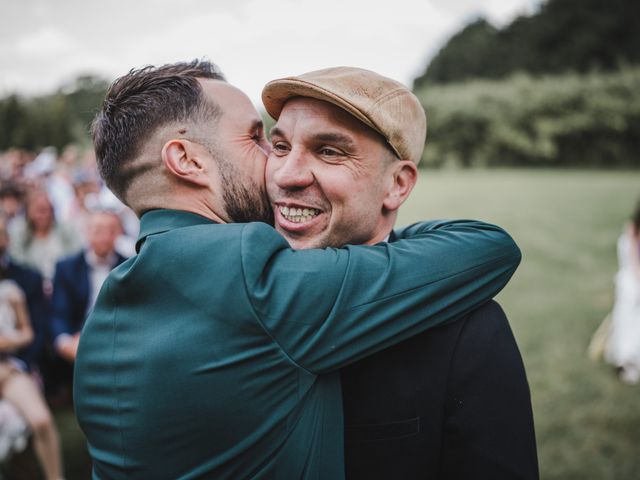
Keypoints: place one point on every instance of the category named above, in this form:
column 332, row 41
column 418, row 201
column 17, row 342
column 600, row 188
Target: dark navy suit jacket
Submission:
column 71, row 294
column 450, row 403
column 31, row 283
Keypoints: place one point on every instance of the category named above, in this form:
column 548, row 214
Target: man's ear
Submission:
column 185, row 160
column 403, row 177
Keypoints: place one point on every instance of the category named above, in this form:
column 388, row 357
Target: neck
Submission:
column 380, row 237
column 383, row 229
column 185, row 203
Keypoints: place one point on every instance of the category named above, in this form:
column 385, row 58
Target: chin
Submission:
column 303, row 243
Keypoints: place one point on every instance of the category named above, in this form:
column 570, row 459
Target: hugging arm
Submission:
column 328, row 308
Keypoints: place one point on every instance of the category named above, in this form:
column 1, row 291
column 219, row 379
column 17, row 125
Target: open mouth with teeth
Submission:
column 298, row 215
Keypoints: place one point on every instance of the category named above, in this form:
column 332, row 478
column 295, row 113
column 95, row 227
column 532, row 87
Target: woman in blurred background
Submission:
column 17, row 387
column 40, row 241
column 623, row 349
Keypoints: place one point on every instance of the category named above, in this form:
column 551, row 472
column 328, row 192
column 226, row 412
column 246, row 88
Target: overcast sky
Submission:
column 44, row 43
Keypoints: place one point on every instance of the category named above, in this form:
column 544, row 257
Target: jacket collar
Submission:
column 159, row 221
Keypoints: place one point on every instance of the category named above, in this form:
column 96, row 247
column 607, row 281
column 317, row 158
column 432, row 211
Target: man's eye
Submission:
column 329, row 152
column 279, row 147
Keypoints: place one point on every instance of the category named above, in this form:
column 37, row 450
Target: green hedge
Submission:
column 566, row 120
column 57, row 119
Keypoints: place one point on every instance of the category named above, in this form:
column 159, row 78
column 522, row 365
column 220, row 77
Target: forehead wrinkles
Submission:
column 314, row 122
column 315, row 114
column 301, row 124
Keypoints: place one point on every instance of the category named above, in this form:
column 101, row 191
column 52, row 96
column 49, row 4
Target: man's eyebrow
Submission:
column 276, row 131
column 327, row 137
column 334, row 137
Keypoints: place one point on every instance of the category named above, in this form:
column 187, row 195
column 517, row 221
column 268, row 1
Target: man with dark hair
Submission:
column 11, row 201
column 449, row 403
column 213, row 353
column 157, row 100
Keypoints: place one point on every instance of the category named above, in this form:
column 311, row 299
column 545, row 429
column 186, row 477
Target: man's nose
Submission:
column 293, row 171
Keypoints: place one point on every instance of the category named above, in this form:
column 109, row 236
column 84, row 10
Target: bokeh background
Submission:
column 534, row 123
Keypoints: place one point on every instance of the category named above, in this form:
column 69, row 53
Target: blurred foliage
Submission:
column 588, row 120
column 58, row 119
column 565, row 35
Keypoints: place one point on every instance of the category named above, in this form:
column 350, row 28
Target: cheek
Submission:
column 359, row 202
column 248, row 150
column 351, row 192
column 271, row 168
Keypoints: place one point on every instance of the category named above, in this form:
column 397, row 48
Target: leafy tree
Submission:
column 14, row 120
column 84, row 97
column 569, row 120
column 565, row 35
column 58, row 119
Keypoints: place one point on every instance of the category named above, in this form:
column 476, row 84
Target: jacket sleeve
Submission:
column 61, row 305
column 328, row 308
column 31, row 283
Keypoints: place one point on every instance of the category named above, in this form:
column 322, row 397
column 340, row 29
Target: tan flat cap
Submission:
column 383, row 104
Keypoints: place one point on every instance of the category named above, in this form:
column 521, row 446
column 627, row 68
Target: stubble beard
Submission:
column 245, row 201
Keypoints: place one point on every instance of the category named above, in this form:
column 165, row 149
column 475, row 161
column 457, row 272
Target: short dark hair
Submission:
column 11, row 189
column 140, row 102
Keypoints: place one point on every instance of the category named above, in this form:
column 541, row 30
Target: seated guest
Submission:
column 30, row 283
column 17, row 387
column 11, row 202
column 78, row 279
column 85, row 184
column 40, row 241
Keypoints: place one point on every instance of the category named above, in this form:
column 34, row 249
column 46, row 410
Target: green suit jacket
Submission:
column 213, row 352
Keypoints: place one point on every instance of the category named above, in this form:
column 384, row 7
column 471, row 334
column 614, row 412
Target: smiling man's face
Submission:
column 327, row 177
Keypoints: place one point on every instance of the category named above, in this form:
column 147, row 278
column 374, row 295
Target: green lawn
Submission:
column 566, row 223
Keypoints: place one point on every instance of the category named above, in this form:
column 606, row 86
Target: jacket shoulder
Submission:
column 75, row 259
column 484, row 324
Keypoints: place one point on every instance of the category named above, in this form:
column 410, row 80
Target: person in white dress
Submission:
column 17, row 387
column 623, row 348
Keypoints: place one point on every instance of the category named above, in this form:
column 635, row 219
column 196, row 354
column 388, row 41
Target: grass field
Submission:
column 566, row 223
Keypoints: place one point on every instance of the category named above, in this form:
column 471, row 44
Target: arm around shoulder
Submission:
column 327, row 308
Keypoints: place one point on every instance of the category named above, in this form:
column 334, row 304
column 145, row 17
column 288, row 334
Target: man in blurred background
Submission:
column 78, row 280
column 76, row 283
column 449, row 403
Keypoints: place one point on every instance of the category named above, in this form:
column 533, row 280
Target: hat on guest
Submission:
column 383, row 104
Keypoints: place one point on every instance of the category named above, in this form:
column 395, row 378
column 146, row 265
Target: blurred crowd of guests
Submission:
column 61, row 232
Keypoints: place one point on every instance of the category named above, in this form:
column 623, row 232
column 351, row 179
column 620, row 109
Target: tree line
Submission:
column 567, row 120
column 57, row 119
column 564, row 36
column 560, row 88
column 557, row 88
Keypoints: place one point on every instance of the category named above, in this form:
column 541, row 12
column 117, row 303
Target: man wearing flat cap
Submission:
column 450, row 403
column 214, row 352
